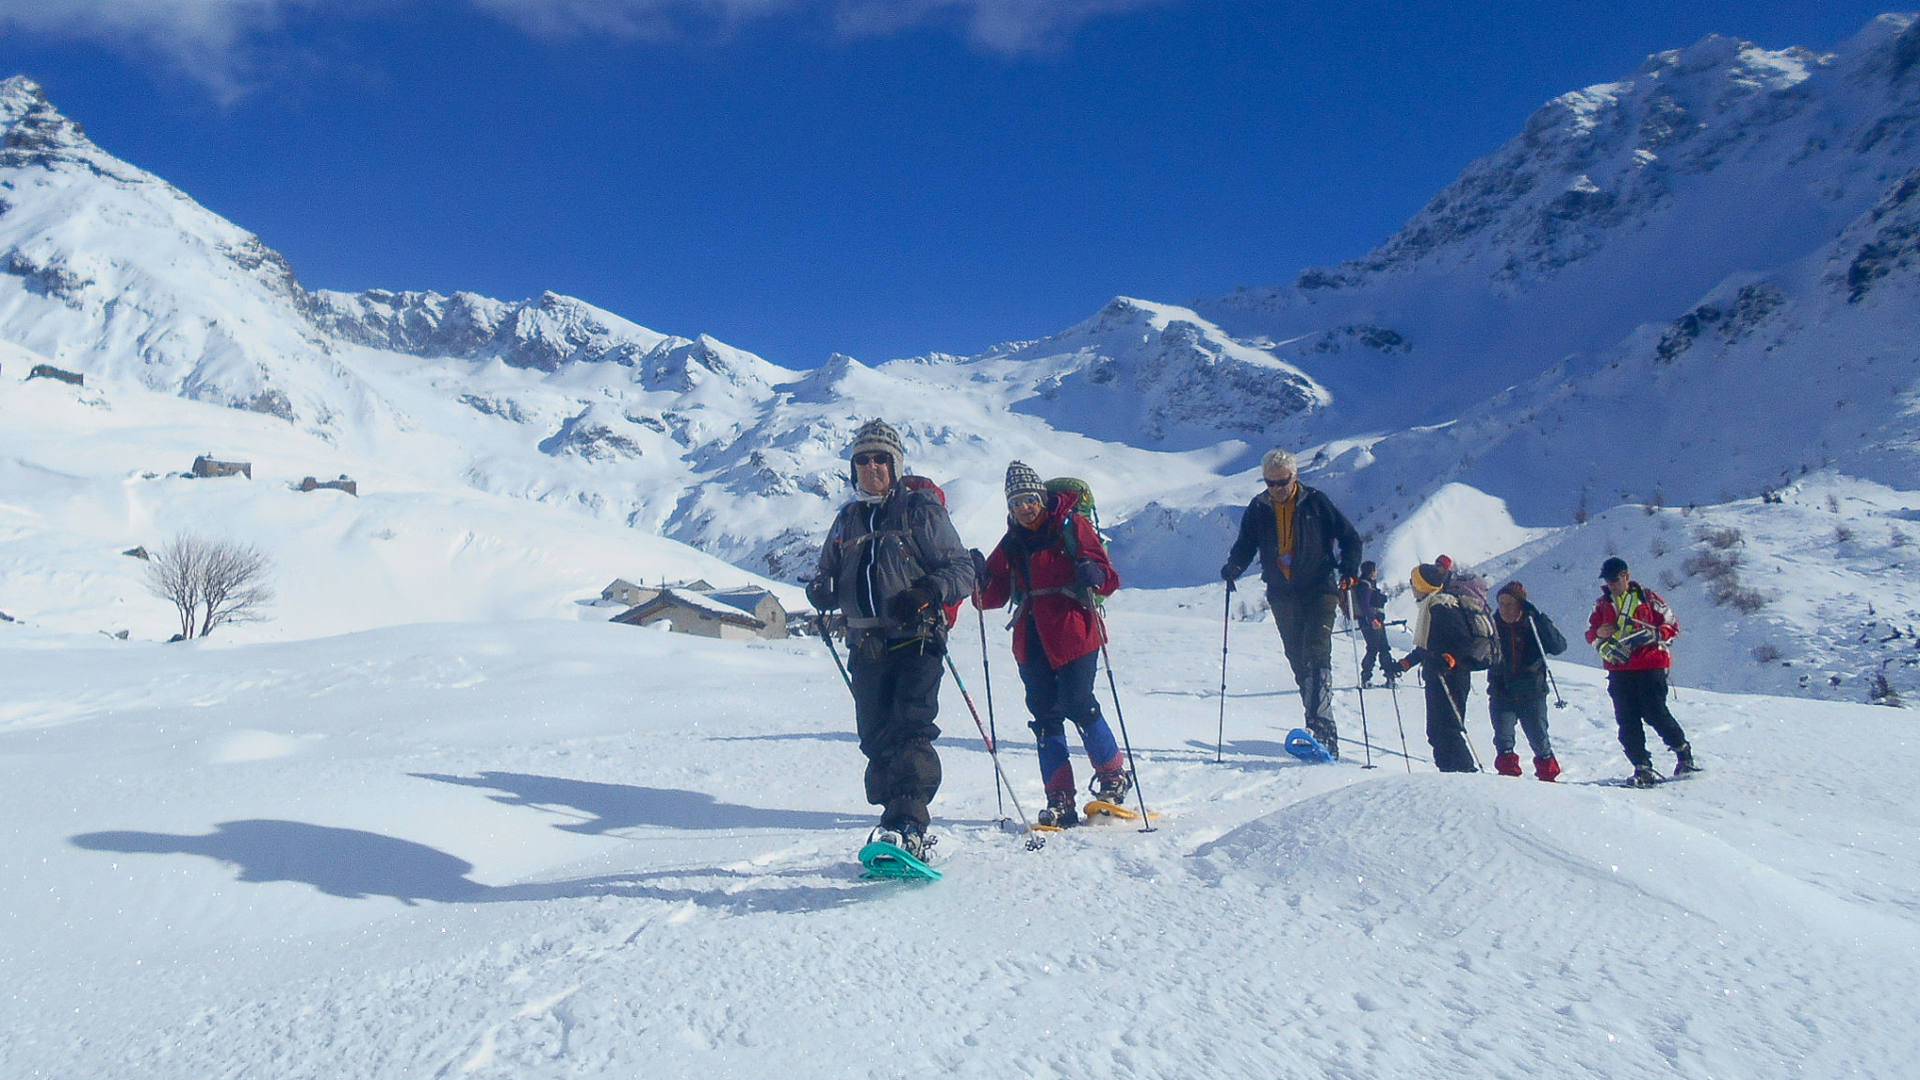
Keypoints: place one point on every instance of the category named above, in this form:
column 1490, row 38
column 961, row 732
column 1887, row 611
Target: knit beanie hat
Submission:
column 1022, row 480
column 1444, row 562
column 1428, row 579
column 1513, row 589
column 879, row 436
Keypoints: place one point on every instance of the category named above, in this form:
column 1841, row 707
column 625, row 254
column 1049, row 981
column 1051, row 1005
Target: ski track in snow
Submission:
column 546, row 850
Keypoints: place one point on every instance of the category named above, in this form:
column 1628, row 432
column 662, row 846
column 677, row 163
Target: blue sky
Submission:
column 799, row 177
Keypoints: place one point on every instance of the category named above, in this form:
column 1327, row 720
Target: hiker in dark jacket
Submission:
column 1442, row 642
column 1517, row 683
column 1052, row 565
column 891, row 560
column 1370, row 614
column 1294, row 530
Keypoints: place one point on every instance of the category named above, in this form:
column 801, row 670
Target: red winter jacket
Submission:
column 1648, row 609
column 1068, row 629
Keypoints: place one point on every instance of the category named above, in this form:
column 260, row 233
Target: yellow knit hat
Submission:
column 1428, row 579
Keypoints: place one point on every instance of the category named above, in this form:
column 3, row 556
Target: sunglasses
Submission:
column 1019, row 501
column 1280, row 483
column 873, row 459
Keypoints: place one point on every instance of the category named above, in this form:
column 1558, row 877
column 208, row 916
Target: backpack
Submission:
column 920, row 483
column 1083, row 506
column 1483, row 640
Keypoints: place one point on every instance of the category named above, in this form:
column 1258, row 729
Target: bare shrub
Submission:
column 1741, row 598
column 1720, row 539
column 210, row 582
column 1842, row 533
column 1899, row 539
column 1712, row 564
column 1766, row 653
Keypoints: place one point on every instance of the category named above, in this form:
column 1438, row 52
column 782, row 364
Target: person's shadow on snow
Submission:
column 607, row 807
column 355, row 865
column 346, row 863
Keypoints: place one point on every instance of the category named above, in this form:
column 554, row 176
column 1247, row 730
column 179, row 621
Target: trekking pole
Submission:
column 1360, row 688
column 1558, row 701
column 1459, row 719
column 993, row 733
column 826, row 635
column 1034, row 840
column 1393, row 691
column 1226, row 620
column 1146, row 819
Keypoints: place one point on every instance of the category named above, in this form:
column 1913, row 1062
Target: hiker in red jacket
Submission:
column 1052, row 565
column 1632, row 626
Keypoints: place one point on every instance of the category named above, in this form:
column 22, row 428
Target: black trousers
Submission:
column 1446, row 730
column 896, row 695
column 1640, row 697
column 1376, row 649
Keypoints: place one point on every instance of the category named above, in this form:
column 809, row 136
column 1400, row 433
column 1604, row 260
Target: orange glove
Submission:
column 1451, row 662
column 1347, row 583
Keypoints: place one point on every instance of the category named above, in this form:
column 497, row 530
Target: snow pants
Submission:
column 1376, row 640
column 1530, row 713
column 1447, row 690
column 1641, row 697
column 1306, row 634
column 896, row 695
column 1055, row 696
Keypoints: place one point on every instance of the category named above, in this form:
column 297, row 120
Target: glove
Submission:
column 1405, row 663
column 980, row 574
column 909, row 605
column 1348, row 582
column 821, row 593
column 1089, row 574
column 1378, row 625
column 1230, row 573
column 1447, row 659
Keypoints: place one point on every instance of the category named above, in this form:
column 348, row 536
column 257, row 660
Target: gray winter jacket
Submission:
column 876, row 551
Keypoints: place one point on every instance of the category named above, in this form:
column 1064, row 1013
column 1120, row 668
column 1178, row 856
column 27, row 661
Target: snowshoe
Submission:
column 898, row 853
column 1645, row 776
column 1301, row 744
column 1683, row 762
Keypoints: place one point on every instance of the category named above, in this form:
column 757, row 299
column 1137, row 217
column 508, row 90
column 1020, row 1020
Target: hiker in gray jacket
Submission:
column 891, row 562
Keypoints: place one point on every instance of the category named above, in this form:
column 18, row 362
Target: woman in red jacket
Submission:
column 1051, row 565
column 1631, row 626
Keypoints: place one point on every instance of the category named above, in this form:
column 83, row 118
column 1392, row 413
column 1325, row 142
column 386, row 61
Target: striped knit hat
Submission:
column 1022, row 481
column 878, row 435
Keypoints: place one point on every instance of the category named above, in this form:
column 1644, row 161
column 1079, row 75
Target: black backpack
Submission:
column 1482, row 641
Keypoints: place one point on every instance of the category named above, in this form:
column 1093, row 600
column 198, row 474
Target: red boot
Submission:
column 1546, row 768
column 1507, row 764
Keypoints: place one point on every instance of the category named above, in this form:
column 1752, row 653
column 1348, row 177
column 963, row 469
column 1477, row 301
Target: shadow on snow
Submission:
column 355, row 865
column 608, row 807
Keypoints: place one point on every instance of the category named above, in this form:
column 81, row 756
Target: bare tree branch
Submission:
column 210, row 582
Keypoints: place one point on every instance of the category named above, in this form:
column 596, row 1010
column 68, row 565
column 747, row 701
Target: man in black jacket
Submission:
column 1517, row 682
column 1294, row 530
column 891, row 560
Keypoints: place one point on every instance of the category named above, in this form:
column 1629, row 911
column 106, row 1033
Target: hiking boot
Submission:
column 1060, row 813
column 915, row 842
column 1112, row 788
column 908, row 838
column 1546, row 768
column 1683, row 762
column 1645, row 776
column 1507, row 764
column 1328, row 735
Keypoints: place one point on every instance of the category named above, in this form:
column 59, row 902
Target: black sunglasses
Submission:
column 1280, row 483
column 873, row 459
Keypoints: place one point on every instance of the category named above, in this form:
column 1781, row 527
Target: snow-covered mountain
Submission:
column 1692, row 287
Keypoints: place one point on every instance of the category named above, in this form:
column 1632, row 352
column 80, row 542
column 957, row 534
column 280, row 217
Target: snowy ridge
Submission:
column 1461, row 389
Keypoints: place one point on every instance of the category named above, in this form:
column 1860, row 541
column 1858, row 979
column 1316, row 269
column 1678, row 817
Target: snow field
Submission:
column 557, row 848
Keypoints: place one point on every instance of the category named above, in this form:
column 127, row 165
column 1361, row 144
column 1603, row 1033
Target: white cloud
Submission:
column 228, row 45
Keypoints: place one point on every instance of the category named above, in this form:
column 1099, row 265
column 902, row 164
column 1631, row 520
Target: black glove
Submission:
column 1231, row 573
column 822, row 594
column 911, row 605
column 1089, row 574
column 980, row 574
